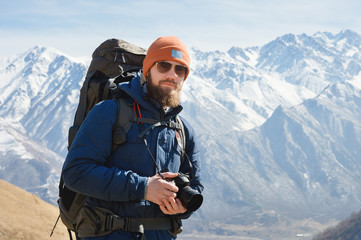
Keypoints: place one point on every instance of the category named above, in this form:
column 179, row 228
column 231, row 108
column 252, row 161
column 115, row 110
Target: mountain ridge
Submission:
column 278, row 124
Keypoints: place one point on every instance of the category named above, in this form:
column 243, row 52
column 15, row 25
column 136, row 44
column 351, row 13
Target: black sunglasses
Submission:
column 164, row 67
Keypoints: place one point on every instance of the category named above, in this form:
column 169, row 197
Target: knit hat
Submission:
column 167, row 49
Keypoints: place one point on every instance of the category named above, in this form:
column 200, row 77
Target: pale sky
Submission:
column 77, row 27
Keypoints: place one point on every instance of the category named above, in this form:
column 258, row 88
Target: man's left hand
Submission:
column 172, row 206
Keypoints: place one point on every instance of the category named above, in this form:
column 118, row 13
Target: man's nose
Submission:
column 171, row 74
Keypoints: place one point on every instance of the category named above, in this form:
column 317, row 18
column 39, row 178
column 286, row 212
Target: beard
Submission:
column 165, row 97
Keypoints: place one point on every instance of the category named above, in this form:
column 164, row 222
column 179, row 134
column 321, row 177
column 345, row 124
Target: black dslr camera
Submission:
column 190, row 198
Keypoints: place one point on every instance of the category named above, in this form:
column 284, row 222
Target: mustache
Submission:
column 169, row 81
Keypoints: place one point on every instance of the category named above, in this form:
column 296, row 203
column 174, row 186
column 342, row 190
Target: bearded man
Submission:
column 126, row 183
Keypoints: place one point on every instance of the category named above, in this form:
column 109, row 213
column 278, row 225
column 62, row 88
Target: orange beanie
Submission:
column 167, row 49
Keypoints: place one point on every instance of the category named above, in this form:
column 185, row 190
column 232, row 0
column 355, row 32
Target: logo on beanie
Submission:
column 177, row 54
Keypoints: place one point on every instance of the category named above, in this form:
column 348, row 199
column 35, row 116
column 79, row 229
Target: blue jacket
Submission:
column 117, row 180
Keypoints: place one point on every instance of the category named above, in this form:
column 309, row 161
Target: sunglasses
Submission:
column 164, row 67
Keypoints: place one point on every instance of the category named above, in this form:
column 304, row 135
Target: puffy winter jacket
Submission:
column 117, row 180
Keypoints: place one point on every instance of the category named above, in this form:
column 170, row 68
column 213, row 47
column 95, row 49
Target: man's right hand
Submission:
column 160, row 191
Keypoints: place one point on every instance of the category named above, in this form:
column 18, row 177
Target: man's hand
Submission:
column 172, row 206
column 164, row 194
column 159, row 190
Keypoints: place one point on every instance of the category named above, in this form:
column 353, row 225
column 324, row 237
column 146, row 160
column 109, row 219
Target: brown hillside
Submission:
column 25, row 216
column 348, row 229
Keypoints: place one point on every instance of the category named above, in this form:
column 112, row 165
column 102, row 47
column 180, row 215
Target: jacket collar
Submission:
column 139, row 94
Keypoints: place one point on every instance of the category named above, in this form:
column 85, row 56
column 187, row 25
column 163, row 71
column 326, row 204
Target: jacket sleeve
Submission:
column 192, row 154
column 84, row 169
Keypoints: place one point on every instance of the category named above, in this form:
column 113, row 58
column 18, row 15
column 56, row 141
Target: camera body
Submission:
column 190, row 198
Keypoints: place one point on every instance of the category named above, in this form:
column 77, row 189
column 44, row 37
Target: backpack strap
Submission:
column 123, row 122
column 80, row 112
column 125, row 119
column 96, row 87
column 182, row 138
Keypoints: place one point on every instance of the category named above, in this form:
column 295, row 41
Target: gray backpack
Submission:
column 113, row 62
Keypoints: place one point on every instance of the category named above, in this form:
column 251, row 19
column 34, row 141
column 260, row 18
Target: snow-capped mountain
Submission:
column 28, row 164
column 40, row 90
column 279, row 125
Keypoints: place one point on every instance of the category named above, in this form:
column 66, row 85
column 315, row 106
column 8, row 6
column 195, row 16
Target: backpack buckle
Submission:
column 114, row 222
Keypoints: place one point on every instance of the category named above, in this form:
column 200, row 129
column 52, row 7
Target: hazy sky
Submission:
column 77, row 27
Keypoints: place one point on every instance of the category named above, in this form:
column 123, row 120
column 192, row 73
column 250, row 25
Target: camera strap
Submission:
column 177, row 126
column 152, row 157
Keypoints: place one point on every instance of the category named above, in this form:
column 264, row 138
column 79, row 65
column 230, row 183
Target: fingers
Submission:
column 172, row 206
column 182, row 209
column 169, row 184
column 159, row 189
column 165, row 194
column 164, row 209
column 169, row 175
column 168, row 207
column 169, row 204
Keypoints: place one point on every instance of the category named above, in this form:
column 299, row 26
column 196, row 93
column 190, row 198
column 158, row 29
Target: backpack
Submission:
column 113, row 62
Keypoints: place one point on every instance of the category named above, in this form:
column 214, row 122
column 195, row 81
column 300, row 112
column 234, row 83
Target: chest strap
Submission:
column 168, row 123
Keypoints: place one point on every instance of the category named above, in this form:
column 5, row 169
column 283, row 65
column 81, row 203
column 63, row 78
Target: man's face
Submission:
column 164, row 83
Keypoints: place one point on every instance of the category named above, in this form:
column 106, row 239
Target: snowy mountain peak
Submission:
column 37, row 87
column 278, row 125
column 350, row 36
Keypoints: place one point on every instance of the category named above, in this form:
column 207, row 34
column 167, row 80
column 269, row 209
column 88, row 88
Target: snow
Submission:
column 279, row 125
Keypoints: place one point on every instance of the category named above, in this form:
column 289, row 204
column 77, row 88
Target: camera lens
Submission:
column 190, row 198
